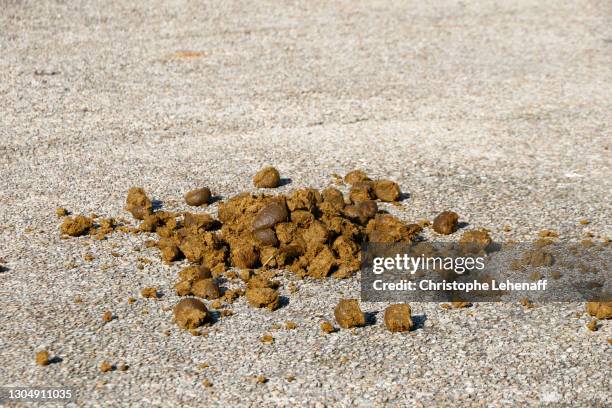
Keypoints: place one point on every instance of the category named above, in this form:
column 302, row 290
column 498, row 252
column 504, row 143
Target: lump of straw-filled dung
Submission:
column 238, row 212
column 183, row 288
column 333, row 197
column 198, row 197
column 315, row 235
column 161, row 222
column 389, row 229
column 76, row 226
column 195, row 272
column 446, row 222
column 259, row 281
column 61, row 212
column 263, row 297
column 268, row 177
column 244, row 255
column 356, row 176
column 138, row 203
column 190, row 313
column 206, row 288
column 199, row 222
column 398, row 318
column 106, row 367
column 304, row 199
column 206, row 248
column 327, row 327
column 361, row 191
column 105, row 226
column 302, row 218
column 361, row 211
column 43, row 358
column 169, row 250
column 188, row 276
column 386, row 190
column 347, row 252
column 149, row 292
column 538, row 257
column 600, row 310
column 475, row 241
column 348, row 314
column 322, row 264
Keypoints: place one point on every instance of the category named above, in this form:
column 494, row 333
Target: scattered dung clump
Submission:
column 194, row 272
column 361, row 211
column 475, row 241
column 527, row 304
column 386, row 190
column 105, row 367
column 61, row 212
column 356, row 176
column 107, row 316
column 263, row 297
column 398, row 318
column 387, row 228
column 198, row 197
column 150, row 293
column 363, row 188
column 43, row 358
column 310, row 233
column 290, row 325
column 190, row 313
column 197, row 281
column 599, row 310
column 538, row 257
column 327, row 327
column 348, row 314
column 268, row 177
column 446, row 222
column 207, row 383
column 592, row 325
column 138, row 204
column 76, row 226
column 361, row 191
column 206, row 288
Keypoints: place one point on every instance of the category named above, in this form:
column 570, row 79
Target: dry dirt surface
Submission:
column 499, row 111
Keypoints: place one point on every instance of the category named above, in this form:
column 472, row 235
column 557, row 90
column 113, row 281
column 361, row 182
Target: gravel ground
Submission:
column 497, row 110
